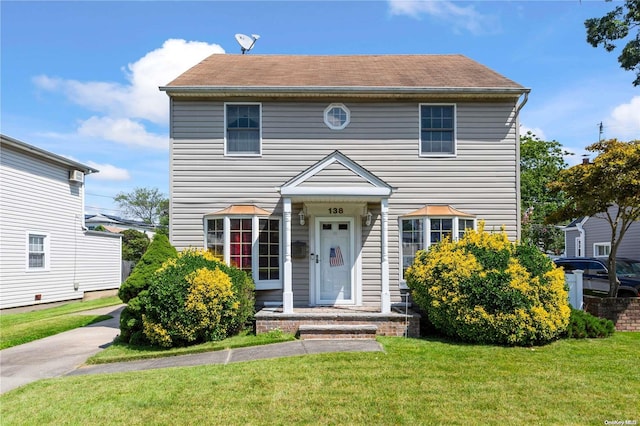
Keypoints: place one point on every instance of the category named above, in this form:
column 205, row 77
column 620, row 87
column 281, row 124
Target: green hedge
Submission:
column 486, row 289
column 195, row 298
column 584, row 325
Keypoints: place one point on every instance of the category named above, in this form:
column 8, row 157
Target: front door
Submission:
column 334, row 267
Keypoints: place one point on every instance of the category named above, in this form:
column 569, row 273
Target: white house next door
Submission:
column 334, row 262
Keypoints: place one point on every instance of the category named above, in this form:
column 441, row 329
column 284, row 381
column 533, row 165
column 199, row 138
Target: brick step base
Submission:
column 337, row 331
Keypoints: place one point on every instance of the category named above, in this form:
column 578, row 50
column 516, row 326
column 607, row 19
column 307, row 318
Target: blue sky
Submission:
column 80, row 78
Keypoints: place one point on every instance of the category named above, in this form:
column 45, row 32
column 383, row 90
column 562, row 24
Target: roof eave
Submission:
column 23, row 146
column 363, row 91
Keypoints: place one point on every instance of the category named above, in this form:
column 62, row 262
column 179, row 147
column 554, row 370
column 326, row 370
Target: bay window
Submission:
column 420, row 232
column 252, row 244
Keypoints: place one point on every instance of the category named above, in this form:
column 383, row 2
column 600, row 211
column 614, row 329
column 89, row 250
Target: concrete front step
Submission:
column 337, row 331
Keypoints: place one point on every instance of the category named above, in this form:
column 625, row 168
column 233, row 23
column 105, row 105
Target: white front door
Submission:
column 334, row 264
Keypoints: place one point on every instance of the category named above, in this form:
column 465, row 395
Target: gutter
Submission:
column 347, row 90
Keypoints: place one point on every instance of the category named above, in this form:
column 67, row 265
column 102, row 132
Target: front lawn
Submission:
column 414, row 382
column 16, row 329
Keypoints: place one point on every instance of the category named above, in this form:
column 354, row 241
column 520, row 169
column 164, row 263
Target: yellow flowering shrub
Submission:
column 196, row 298
column 486, row 289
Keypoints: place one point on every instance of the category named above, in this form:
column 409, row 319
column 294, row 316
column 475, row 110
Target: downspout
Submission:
column 524, row 101
column 518, row 197
column 581, row 237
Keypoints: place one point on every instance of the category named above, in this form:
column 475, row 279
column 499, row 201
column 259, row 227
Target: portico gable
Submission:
column 334, row 194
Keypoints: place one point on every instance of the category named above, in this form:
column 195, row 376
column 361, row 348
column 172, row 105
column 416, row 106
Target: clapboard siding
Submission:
column 37, row 197
column 383, row 137
column 598, row 230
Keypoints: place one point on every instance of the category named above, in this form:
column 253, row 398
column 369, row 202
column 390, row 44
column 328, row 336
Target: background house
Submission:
column 590, row 236
column 323, row 175
column 117, row 224
column 46, row 252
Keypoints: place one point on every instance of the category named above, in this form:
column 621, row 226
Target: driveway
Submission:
column 57, row 355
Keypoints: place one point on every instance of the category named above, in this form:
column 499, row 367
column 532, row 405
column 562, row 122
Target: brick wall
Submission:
column 623, row 311
column 386, row 326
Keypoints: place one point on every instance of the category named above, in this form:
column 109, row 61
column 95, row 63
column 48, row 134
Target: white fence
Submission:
column 574, row 283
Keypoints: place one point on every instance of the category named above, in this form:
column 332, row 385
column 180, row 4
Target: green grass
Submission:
column 119, row 352
column 16, row 329
column 413, row 382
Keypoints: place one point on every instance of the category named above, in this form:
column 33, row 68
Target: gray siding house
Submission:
column 590, row 236
column 46, row 253
column 321, row 176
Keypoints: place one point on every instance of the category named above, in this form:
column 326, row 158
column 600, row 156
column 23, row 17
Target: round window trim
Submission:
column 337, row 116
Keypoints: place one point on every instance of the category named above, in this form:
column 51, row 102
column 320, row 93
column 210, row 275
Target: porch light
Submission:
column 301, row 216
column 368, row 219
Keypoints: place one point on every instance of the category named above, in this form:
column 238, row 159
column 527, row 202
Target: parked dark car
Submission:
column 596, row 274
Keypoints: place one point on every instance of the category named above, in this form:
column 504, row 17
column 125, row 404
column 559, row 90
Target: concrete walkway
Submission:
column 65, row 353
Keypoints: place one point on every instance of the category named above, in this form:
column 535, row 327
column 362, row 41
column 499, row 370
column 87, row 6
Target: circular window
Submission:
column 337, row 116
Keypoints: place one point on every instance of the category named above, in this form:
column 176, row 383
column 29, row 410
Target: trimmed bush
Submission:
column 195, row 298
column 156, row 254
column 137, row 284
column 584, row 325
column 485, row 289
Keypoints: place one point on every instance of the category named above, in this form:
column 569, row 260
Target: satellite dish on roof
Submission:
column 246, row 43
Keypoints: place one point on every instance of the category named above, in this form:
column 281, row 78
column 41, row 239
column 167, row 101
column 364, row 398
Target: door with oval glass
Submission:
column 334, row 264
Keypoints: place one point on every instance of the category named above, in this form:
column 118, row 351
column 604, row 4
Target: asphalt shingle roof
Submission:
column 342, row 71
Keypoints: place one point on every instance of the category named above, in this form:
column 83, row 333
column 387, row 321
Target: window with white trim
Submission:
column 601, row 249
column 419, row 233
column 37, row 251
column 337, row 116
column 250, row 243
column 437, row 130
column 243, row 133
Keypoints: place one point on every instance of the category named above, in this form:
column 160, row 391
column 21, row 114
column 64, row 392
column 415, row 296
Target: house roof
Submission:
column 102, row 218
column 224, row 73
column 241, row 209
column 39, row 152
column 439, row 210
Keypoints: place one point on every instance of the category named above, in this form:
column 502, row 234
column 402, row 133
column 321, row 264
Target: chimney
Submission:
column 585, row 160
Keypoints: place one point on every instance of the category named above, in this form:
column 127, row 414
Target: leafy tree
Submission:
column 540, row 163
column 147, row 204
column 617, row 25
column 134, row 244
column 611, row 180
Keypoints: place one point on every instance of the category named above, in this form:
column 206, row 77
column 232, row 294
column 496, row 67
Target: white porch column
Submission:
column 287, row 295
column 384, row 225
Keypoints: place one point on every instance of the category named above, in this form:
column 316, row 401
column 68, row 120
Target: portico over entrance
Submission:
column 332, row 199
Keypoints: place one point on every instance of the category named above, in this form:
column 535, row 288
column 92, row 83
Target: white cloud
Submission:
column 122, row 131
column 462, row 18
column 125, row 105
column 538, row 132
column 108, row 172
column 624, row 121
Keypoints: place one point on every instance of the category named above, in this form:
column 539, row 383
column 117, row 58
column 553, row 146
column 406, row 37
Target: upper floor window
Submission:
column 437, row 130
column 37, row 251
column 337, row 116
column 243, row 129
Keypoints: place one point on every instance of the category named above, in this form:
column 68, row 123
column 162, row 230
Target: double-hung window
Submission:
column 601, row 249
column 37, row 251
column 252, row 244
column 437, row 130
column 243, row 129
column 421, row 232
